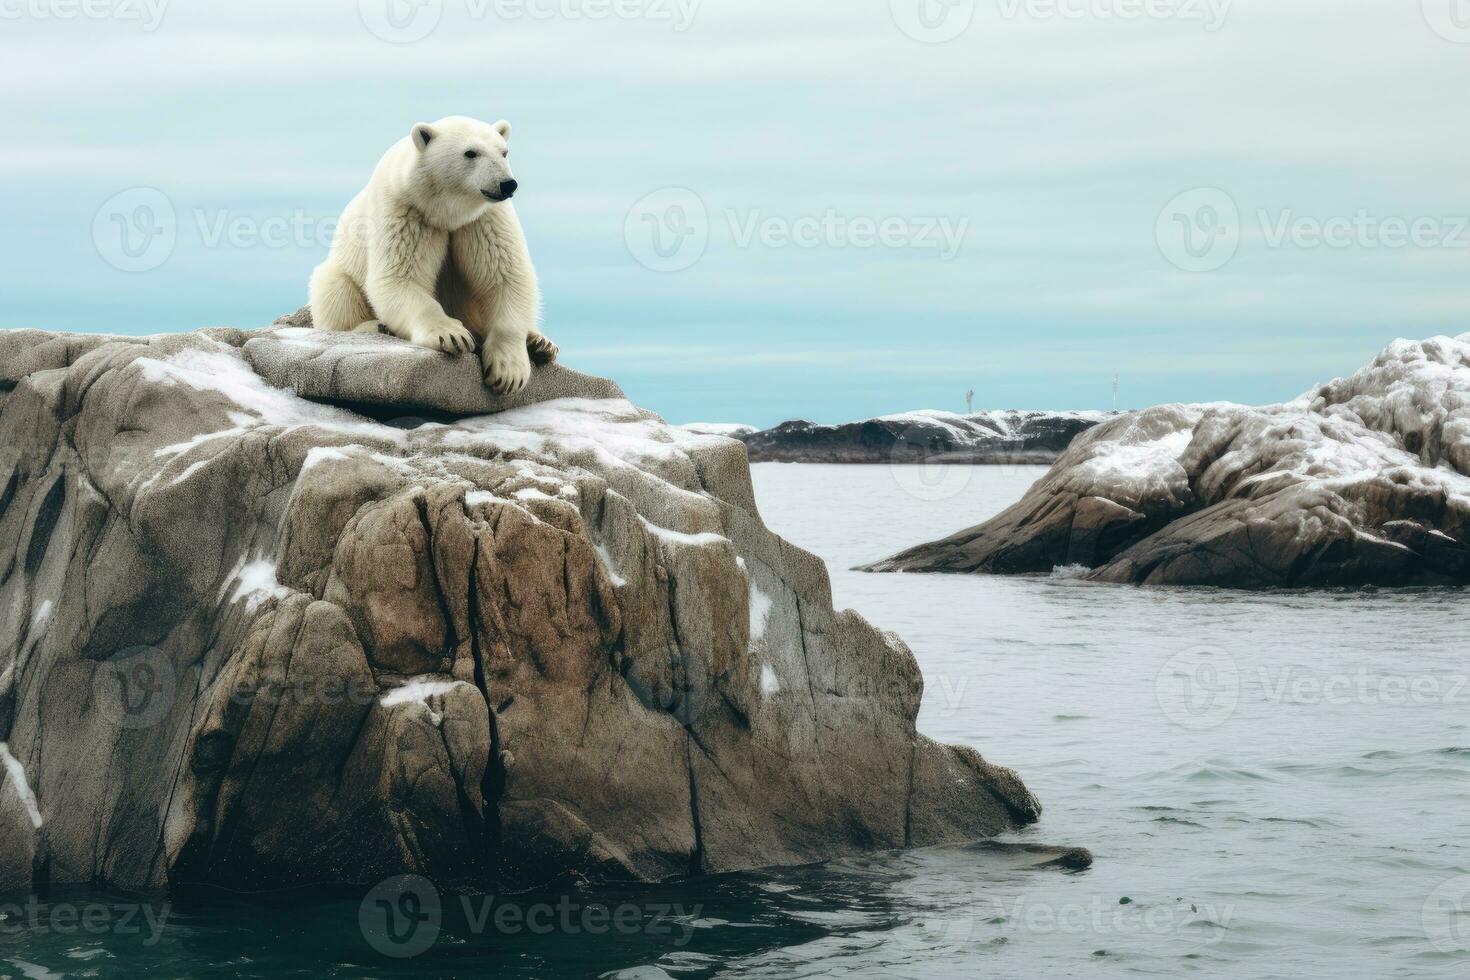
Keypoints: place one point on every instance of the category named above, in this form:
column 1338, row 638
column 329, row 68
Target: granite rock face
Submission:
column 929, row 436
column 1362, row 481
column 287, row 607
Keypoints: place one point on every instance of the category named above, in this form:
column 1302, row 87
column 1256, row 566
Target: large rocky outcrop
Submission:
column 1363, row 481
column 288, row 607
column 927, row 436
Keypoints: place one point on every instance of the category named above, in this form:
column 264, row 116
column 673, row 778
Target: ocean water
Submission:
column 1272, row 785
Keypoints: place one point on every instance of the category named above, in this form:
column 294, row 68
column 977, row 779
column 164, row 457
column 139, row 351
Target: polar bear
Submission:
column 432, row 251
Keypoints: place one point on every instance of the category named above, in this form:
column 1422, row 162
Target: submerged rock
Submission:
column 1363, row 481
column 289, row 607
column 928, row 436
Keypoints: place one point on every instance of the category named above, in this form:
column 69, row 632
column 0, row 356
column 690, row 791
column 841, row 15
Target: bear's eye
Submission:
column 470, row 154
column 505, row 153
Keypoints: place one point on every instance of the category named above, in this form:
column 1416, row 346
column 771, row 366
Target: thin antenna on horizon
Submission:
column 1115, row 391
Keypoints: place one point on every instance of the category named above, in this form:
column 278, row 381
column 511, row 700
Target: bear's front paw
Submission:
column 507, row 367
column 541, row 349
column 447, row 335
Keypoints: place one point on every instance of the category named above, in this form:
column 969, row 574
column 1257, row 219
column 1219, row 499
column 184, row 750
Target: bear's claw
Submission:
column 541, row 349
column 504, row 386
column 507, row 366
column 449, row 337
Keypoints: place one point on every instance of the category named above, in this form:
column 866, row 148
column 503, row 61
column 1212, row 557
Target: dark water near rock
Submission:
column 1273, row 786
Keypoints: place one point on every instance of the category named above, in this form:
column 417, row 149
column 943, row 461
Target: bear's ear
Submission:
column 422, row 134
column 503, row 128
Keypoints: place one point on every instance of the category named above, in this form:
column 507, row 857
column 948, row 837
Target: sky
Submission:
column 756, row 210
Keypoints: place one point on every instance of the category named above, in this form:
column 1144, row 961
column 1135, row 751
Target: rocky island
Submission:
column 1361, row 481
column 917, row 437
column 289, row 607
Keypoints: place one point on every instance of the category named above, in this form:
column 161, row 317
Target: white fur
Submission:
column 423, row 252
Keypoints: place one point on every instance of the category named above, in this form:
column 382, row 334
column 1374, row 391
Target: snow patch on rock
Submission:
column 318, row 455
column 21, row 785
column 226, row 372
column 255, row 583
column 418, row 690
column 760, row 612
column 700, row 540
column 607, row 563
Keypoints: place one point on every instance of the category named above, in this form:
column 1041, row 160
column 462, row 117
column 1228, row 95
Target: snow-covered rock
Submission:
column 931, row 436
column 1365, row 480
column 287, row 607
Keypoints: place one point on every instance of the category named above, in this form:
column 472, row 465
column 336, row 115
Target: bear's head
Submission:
column 466, row 161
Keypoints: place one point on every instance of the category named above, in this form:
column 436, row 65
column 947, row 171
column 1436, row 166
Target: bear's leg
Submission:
column 336, row 301
column 506, row 361
column 491, row 256
column 504, row 327
column 403, row 270
column 409, row 310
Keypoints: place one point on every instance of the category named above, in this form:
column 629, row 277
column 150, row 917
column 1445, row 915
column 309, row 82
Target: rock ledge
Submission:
column 284, row 607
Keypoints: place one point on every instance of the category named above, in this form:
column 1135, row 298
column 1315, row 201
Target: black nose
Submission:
column 508, row 190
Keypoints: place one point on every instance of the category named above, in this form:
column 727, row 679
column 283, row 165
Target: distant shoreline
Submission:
column 996, row 438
